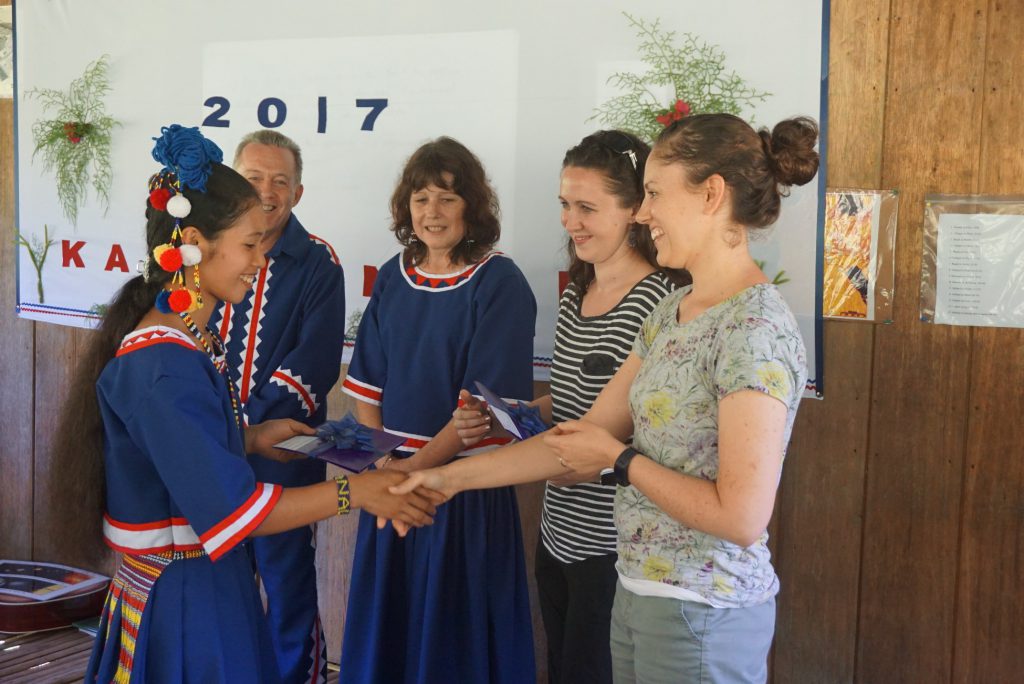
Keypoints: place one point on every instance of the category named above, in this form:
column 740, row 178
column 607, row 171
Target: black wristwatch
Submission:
column 622, row 466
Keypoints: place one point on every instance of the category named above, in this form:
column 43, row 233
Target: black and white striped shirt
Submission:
column 577, row 521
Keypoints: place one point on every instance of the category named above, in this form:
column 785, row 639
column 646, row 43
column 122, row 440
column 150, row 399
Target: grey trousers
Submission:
column 660, row 640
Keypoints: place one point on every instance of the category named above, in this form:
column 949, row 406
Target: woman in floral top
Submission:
column 709, row 394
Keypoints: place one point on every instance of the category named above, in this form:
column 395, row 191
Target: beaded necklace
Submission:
column 217, row 356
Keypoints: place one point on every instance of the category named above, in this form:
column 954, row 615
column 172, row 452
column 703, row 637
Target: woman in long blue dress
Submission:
column 448, row 604
column 152, row 396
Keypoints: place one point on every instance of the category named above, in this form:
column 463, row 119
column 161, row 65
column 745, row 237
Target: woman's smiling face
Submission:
column 437, row 217
column 591, row 214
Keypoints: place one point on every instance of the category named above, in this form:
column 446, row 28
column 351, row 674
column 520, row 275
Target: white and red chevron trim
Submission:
column 156, row 334
column 293, row 383
column 172, row 534
column 247, row 373
column 223, row 536
column 320, row 241
column 362, row 391
column 450, row 281
column 318, row 669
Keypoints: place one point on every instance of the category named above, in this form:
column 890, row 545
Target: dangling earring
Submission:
column 199, row 291
column 631, row 239
column 173, row 256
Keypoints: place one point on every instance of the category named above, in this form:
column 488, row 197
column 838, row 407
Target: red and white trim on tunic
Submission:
column 362, row 391
column 226, row 534
column 247, row 373
column 176, row 534
column 432, row 282
column 294, row 384
column 414, row 443
column 173, row 534
column 320, row 241
column 157, row 334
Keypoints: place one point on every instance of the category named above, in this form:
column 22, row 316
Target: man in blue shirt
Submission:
column 284, row 347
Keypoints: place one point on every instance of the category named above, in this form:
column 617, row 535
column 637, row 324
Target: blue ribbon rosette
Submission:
column 345, row 443
column 347, row 433
column 528, row 419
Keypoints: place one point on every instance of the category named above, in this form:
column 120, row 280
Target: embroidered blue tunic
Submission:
column 283, row 348
column 448, row 603
column 180, row 498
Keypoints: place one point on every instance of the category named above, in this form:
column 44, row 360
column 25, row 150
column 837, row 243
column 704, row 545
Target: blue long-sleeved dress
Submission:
column 449, row 602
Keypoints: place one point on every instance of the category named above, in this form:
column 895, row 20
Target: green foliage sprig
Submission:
column 352, row 325
column 37, row 251
column 75, row 142
column 695, row 70
column 780, row 278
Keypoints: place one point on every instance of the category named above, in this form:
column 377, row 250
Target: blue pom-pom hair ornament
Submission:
column 187, row 158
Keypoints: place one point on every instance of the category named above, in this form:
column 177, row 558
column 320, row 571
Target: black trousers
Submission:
column 576, row 606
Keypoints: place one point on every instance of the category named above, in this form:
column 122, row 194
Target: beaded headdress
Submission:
column 187, row 158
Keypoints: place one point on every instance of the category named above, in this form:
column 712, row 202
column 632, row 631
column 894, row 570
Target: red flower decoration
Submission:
column 180, row 300
column 170, row 260
column 72, row 131
column 674, row 113
column 158, row 199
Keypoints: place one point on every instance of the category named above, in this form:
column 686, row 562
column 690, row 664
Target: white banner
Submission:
column 359, row 86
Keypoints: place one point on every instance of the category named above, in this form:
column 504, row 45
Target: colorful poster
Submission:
column 851, row 250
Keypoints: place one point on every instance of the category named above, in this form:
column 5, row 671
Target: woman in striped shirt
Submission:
column 614, row 284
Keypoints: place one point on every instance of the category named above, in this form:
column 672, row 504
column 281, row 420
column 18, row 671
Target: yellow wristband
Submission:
column 344, row 499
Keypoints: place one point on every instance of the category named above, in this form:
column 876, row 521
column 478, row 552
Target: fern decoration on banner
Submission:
column 693, row 71
column 37, row 251
column 74, row 140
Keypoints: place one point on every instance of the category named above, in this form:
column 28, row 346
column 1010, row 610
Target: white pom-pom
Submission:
column 179, row 206
column 190, row 255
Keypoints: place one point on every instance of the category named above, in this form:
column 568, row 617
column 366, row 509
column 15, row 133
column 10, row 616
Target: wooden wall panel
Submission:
column 54, row 367
column 989, row 601
column 822, row 492
column 918, row 419
column 16, row 349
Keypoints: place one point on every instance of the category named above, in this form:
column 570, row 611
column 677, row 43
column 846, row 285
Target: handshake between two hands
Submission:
column 409, row 498
column 404, row 500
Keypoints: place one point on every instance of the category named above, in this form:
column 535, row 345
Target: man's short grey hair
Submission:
column 267, row 137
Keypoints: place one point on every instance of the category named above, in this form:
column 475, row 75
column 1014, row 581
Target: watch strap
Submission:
column 622, row 466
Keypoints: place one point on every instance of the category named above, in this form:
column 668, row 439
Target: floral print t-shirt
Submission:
column 747, row 342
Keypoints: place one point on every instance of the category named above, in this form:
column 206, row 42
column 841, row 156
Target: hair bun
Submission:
column 790, row 149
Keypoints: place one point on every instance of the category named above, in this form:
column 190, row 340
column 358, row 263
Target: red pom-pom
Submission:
column 170, row 260
column 180, row 300
column 158, row 198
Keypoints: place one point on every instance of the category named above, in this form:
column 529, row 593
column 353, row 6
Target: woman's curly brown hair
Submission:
column 429, row 165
